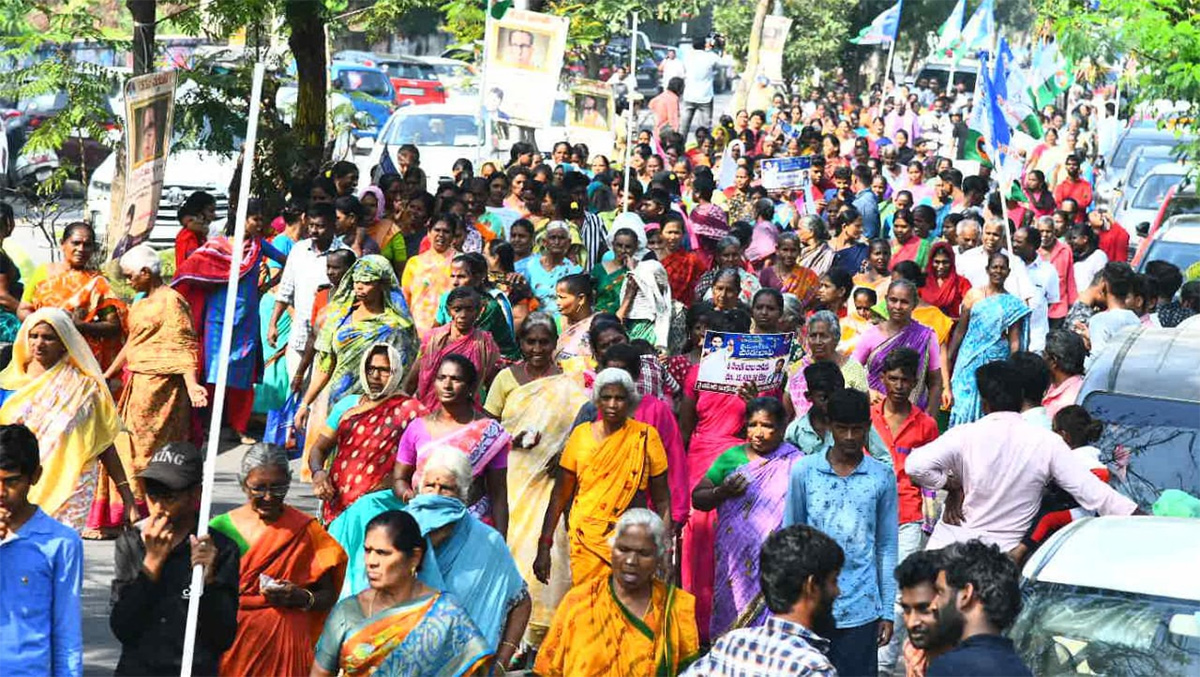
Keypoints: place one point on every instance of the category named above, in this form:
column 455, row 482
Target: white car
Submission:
column 1113, row 596
column 1139, row 204
column 442, row 133
column 458, row 77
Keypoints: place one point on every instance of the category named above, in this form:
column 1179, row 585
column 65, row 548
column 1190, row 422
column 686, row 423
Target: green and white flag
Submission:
column 1012, row 93
column 950, row 31
column 1050, row 75
column 977, row 34
column 981, row 125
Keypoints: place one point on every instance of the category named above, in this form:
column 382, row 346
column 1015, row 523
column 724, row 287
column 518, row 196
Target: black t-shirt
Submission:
column 12, row 275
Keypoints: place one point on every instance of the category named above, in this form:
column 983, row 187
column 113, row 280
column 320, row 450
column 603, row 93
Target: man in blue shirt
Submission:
column 852, row 498
column 865, row 201
column 41, row 571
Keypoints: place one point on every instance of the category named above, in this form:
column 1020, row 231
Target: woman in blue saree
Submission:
column 991, row 328
column 399, row 625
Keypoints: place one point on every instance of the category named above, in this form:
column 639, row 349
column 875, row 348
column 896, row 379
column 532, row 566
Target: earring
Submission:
column 414, row 571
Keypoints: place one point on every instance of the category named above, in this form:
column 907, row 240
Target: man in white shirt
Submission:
column 672, row 66
column 1116, row 281
column 973, row 264
column 1085, row 246
column 700, row 67
column 1026, row 242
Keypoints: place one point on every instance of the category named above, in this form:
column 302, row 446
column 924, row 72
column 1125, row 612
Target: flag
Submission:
column 987, row 132
column 882, row 29
column 977, row 34
column 1051, row 74
column 1012, row 93
column 950, row 31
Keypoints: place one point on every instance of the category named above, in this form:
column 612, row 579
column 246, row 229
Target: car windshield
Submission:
column 1182, row 204
column 1145, row 162
column 1162, row 436
column 1070, row 630
column 451, row 70
column 48, row 102
column 1180, row 254
column 1154, row 189
column 434, row 130
column 411, row 71
column 1132, row 143
column 371, row 83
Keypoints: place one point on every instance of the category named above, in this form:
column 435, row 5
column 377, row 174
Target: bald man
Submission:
column 972, row 263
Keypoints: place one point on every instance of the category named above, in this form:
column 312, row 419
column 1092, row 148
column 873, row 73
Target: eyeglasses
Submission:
column 379, row 371
column 277, row 490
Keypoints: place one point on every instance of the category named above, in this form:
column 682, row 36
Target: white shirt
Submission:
column 1104, row 326
column 672, row 68
column 1045, row 283
column 972, row 265
column 1086, row 269
column 303, row 276
column 699, row 65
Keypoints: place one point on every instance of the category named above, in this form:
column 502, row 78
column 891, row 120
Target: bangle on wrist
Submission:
column 546, row 540
column 312, row 599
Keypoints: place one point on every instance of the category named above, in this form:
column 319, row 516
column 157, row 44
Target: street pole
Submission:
column 887, row 70
column 629, row 110
column 218, row 404
column 484, row 118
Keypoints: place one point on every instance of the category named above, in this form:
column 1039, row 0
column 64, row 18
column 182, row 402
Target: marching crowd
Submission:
column 492, row 389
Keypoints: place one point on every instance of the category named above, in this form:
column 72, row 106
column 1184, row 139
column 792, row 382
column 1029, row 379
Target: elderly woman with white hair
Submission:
column 604, row 470
column 160, row 362
column 821, row 336
column 291, row 570
column 628, row 622
column 468, row 558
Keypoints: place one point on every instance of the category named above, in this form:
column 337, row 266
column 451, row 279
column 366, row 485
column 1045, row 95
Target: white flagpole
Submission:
column 218, row 404
column 887, row 72
column 633, row 45
column 485, row 120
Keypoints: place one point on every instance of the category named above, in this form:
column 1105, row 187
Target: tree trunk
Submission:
column 743, row 90
column 145, row 13
column 307, row 41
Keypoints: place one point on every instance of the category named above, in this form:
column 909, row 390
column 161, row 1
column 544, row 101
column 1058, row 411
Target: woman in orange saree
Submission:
column 291, row 571
column 604, row 468
column 627, row 623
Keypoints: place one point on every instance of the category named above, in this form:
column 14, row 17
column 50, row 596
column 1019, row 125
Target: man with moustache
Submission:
column 917, row 579
column 978, row 598
column 798, row 570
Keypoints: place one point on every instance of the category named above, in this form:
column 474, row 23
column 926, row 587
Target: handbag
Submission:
column 281, row 432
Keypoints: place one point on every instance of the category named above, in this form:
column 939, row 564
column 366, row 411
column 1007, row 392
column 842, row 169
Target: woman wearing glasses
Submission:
column 291, row 571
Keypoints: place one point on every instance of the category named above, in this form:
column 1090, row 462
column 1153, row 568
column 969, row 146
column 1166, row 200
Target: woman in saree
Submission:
column 518, row 399
column 455, row 421
column 468, row 558
column 460, row 337
column 931, row 316
column 747, row 486
column 574, row 295
column 291, row 570
column 364, row 310
column 161, row 389
column 684, row 267
column 383, row 230
column 356, row 449
column 991, row 329
column 427, row 275
column 901, row 331
column 849, row 251
column 821, row 341
column 544, row 270
column 944, row 287
column 627, row 621
column 496, row 315
column 787, row 275
column 909, row 246
column 729, row 256
column 815, row 252
column 607, row 276
column 603, row 469
column 54, row 386
column 399, row 625
column 273, row 389
column 82, row 291
column 878, row 273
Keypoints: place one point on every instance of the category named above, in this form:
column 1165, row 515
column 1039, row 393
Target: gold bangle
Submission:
column 123, row 483
column 514, row 646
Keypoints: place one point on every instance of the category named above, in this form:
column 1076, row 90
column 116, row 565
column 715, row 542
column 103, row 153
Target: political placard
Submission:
column 729, row 359
column 785, row 172
column 149, row 112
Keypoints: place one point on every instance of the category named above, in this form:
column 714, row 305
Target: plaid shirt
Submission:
column 777, row 648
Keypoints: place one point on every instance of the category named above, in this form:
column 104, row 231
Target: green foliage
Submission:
column 818, row 34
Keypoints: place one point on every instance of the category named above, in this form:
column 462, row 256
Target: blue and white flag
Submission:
column 882, row 29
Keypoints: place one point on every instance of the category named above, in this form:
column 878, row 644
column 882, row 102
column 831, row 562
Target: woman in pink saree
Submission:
column 459, row 337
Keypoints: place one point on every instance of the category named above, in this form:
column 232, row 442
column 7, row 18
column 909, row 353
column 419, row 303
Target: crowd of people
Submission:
column 492, row 389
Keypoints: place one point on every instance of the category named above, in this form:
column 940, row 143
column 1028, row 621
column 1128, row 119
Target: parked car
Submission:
column 369, row 90
column 1177, row 242
column 1143, row 160
column 82, row 152
column 1182, row 199
column 458, row 77
column 1111, row 167
column 1140, row 202
column 415, row 81
column 442, row 133
column 1113, row 596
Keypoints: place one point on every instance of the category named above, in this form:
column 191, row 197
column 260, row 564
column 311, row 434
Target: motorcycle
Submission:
column 27, row 169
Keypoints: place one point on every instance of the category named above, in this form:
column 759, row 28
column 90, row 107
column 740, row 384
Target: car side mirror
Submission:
column 1143, row 229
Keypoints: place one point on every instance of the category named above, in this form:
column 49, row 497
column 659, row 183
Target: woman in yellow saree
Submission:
column 54, row 386
column 537, row 404
column 627, row 624
column 606, row 466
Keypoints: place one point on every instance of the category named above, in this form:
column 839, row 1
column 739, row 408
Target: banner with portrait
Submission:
column 728, row 360
column 149, row 111
column 770, row 50
column 592, row 106
column 525, row 60
column 785, row 172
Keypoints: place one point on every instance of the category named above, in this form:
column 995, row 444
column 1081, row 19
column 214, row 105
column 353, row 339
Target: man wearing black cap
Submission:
column 153, row 574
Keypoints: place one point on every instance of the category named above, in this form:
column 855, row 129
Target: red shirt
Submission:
column 1079, row 190
column 1114, row 242
column 186, row 242
column 1064, row 263
column 917, row 430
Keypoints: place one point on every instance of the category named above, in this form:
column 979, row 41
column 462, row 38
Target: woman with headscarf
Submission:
column 291, row 571
column 427, row 275
column 944, row 287
column 364, row 310
column 646, row 303
column 54, row 387
column 363, row 433
column 461, row 337
column 383, row 230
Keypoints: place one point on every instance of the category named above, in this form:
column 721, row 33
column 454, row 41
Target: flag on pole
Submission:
column 950, row 31
column 977, row 34
column 882, row 29
column 1012, row 93
column 987, row 132
column 1051, row 74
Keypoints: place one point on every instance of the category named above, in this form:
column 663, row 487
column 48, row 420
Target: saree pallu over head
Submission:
column 85, row 290
column 366, row 451
column 473, row 563
column 594, row 634
column 947, row 294
column 652, row 300
column 480, row 441
column 478, row 346
column 275, row 640
column 70, row 411
column 916, row 336
column 743, row 523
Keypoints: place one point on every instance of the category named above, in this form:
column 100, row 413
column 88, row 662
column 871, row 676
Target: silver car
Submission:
column 1139, row 204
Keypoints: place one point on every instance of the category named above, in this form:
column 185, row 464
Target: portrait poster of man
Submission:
column 729, row 360
column 525, row 58
column 591, row 106
column 149, row 112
